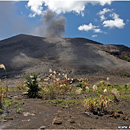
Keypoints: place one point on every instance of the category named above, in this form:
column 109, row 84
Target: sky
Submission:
column 104, row 21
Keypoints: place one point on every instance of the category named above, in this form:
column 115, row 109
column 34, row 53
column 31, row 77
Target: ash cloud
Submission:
column 53, row 27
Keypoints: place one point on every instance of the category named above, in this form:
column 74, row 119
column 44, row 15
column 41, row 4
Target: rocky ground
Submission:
column 28, row 113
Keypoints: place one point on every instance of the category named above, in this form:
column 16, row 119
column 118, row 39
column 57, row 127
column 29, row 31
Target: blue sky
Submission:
column 108, row 23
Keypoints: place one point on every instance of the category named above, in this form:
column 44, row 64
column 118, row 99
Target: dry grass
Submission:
column 3, row 91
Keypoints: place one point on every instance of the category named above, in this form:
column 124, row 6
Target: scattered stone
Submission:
column 120, row 112
column 26, row 120
column 96, row 118
column 109, row 115
column 126, row 118
column 72, row 121
column 57, row 122
column 100, row 114
column 28, row 114
column 3, row 120
column 116, row 114
column 8, row 118
column 42, row 128
column 87, row 113
column 95, row 113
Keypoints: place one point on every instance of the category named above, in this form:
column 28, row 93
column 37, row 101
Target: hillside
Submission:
column 75, row 56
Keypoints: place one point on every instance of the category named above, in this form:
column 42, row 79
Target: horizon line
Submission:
column 71, row 0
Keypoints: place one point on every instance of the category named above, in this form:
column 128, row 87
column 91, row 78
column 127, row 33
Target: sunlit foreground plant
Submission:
column 59, row 84
column 3, row 91
column 97, row 103
column 33, row 86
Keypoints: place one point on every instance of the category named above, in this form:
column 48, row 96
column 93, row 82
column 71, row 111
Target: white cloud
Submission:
column 103, row 2
column 86, row 27
column 94, row 36
column 89, row 27
column 102, row 17
column 36, row 7
column 115, row 23
column 103, row 12
column 97, row 30
column 118, row 23
column 66, row 6
column 114, row 16
column 62, row 6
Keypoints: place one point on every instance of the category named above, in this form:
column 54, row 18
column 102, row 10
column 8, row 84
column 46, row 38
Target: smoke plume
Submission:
column 53, row 27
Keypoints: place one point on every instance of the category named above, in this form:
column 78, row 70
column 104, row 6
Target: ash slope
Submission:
column 75, row 56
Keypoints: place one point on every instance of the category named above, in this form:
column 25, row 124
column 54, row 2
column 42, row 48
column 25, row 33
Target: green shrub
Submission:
column 97, row 103
column 127, row 58
column 81, row 85
column 126, row 87
column 125, row 74
column 117, row 87
column 32, row 84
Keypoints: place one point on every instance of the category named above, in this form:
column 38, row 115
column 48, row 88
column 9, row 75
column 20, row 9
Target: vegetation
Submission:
column 125, row 74
column 65, row 103
column 62, row 91
column 32, row 84
column 98, row 104
column 3, row 91
column 55, row 90
column 127, row 58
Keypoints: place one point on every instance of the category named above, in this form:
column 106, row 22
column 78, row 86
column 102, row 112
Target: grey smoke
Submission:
column 53, row 27
column 12, row 23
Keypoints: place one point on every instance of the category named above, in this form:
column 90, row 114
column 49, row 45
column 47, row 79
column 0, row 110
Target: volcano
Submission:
column 75, row 56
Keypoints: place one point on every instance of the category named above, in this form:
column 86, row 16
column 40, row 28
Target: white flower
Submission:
column 108, row 78
column 50, row 75
column 38, row 79
column 95, row 87
column 87, row 88
column 105, row 90
column 57, row 79
column 54, row 72
column 50, row 70
column 115, row 91
column 65, row 76
column 78, row 91
column 33, row 80
column 61, row 85
column 31, row 76
column 2, row 66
